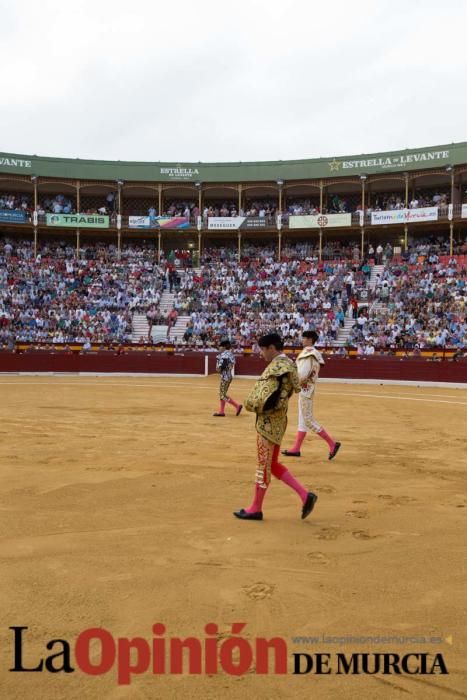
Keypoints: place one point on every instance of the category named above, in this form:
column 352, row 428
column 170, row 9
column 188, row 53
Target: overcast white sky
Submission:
column 210, row 80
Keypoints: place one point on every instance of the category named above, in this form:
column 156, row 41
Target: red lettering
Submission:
column 82, row 651
column 262, row 656
column 141, row 664
column 194, row 655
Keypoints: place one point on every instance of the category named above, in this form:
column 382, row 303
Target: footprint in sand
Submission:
column 328, row 533
column 325, row 488
column 363, row 535
column 259, row 591
column 458, row 501
column 105, row 469
column 445, row 476
column 318, row 558
column 357, row 513
column 396, row 500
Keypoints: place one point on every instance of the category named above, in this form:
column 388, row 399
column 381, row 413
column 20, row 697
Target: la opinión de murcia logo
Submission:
column 234, row 655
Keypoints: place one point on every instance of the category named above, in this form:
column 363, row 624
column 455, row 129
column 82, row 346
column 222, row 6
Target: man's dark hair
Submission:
column 271, row 339
column 225, row 344
column 312, row 335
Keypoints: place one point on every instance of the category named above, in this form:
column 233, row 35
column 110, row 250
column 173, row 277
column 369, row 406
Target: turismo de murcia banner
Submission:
column 404, row 216
column 78, row 220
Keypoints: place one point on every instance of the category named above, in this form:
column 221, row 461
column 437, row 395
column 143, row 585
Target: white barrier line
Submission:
column 397, row 398
column 209, row 386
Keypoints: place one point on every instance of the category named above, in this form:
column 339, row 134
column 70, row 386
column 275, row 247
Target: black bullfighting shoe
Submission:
column 244, row 515
column 333, row 453
column 309, row 504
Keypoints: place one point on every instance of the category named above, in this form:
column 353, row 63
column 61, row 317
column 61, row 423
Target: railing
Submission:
column 142, row 222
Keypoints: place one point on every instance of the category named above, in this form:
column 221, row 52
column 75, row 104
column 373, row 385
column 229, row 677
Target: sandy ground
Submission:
column 116, row 511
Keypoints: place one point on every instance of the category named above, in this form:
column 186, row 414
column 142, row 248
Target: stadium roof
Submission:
column 316, row 168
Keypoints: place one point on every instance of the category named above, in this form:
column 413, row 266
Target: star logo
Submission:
column 335, row 165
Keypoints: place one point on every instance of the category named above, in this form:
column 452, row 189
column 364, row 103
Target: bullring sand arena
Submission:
column 116, row 512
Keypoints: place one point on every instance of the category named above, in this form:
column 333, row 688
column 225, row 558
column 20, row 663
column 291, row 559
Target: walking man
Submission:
column 269, row 399
column 225, row 364
column 308, row 365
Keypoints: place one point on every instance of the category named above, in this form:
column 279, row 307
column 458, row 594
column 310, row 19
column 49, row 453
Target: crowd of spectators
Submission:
column 389, row 200
column 419, row 304
column 15, row 202
column 333, row 204
column 225, row 299
column 290, row 250
column 262, row 209
column 57, row 296
column 58, row 204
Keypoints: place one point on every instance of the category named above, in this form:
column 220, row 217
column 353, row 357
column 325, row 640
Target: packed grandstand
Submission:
column 373, row 261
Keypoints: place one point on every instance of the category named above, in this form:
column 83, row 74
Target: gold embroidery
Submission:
column 272, row 424
column 265, row 450
column 223, row 389
column 306, row 421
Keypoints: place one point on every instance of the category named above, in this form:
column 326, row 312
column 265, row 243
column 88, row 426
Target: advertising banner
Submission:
column 394, row 216
column 320, row 221
column 158, row 222
column 422, row 214
column 172, row 221
column 225, row 222
column 403, row 216
column 141, row 222
column 464, row 211
column 255, row 222
column 78, row 220
column 13, row 217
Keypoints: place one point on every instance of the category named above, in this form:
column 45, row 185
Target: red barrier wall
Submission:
column 377, row 368
column 396, row 369
column 162, row 363
column 193, row 363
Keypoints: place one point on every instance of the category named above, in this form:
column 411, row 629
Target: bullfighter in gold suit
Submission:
column 269, row 399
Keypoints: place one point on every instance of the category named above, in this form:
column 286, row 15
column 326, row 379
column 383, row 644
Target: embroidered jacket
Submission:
column 225, row 362
column 308, row 363
column 269, row 398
